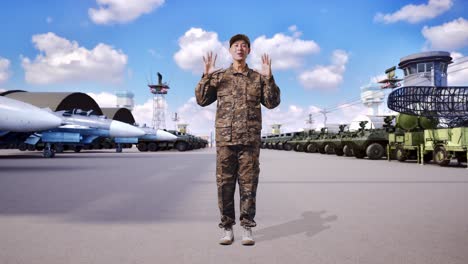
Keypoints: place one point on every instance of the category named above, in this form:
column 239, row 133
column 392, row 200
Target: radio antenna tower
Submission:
column 159, row 92
column 310, row 121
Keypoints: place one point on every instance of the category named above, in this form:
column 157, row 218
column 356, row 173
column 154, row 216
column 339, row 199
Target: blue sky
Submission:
column 322, row 51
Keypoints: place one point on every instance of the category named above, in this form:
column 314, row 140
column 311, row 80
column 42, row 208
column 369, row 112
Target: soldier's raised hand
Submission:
column 210, row 62
column 266, row 65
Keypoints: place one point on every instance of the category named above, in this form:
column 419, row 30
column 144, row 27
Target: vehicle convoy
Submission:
column 180, row 141
column 155, row 139
column 303, row 144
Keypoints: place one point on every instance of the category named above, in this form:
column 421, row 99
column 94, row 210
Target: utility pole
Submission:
column 176, row 119
column 324, row 112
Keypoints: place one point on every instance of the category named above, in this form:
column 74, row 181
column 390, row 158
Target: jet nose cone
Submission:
column 120, row 129
column 165, row 136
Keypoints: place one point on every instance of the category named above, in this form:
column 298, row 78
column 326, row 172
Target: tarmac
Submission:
column 133, row 207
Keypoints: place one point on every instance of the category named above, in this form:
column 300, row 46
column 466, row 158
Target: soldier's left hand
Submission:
column 266, row 65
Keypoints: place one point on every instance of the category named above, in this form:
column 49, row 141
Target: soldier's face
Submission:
column 239, row 50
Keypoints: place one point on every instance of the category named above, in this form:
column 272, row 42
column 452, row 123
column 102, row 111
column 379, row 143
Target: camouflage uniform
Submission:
column 238, row 126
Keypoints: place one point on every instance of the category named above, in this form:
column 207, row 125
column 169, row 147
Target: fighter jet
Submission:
column 17, row 116
column 81, row 128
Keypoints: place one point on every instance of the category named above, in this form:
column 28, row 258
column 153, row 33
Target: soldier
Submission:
column 239, row 91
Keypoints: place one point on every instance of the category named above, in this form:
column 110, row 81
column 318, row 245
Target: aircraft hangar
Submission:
column 56, row 101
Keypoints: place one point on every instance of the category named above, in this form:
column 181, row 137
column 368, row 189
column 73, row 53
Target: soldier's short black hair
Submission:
column 239, row 37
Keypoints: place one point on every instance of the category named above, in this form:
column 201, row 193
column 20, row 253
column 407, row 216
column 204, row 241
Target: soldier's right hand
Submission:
column 209, row 62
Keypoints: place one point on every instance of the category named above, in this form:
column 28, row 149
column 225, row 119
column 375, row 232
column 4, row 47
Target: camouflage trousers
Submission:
column 238, row 163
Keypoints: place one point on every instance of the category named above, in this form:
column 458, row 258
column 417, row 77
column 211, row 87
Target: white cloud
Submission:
column 4, row 69
column 286, row 52
column 449, row 36
column 143, row 113
column 121, row 11
column 326, row 77
column 416, row 13
column 104, row 99
column 458, row 70
column 194, row 44
column 295, row 31
column 61, row 60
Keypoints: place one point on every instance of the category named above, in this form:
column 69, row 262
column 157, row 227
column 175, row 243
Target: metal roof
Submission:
column 56, row 101
column 427, row 56
column 119, row 114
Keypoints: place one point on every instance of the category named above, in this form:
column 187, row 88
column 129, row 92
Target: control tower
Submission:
column 372, row 96
column 159, row 92
column 276, row 129
column 425, row 68
column 125, row 99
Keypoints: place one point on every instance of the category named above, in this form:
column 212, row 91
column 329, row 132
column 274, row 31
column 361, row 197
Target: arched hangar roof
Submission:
column 119, row 114
column 56, row 101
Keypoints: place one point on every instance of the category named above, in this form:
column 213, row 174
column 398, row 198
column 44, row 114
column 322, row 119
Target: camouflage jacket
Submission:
column 239, row 94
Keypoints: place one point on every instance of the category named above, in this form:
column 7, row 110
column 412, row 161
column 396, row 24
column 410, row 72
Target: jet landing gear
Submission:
column 48, row 152
column 118, row 148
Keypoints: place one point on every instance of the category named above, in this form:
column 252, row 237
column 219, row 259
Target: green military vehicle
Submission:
column 418, row 137
column 284, row 139
column 445, row 144
column 318, row 143
column 367, row 142
column 302, row 140
column 186, row 141
column 334, row 142
column 407, row 140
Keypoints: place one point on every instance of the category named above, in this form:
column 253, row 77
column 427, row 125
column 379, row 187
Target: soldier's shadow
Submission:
column 310, row 224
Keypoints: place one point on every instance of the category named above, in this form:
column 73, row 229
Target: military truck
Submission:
column 367, row 142
column 408, row 138
column 302, row 140
column 334, row 142
column 445, row 144
column 284, row 139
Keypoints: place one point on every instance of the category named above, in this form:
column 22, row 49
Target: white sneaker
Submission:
column 228, row 237
column 247, row 237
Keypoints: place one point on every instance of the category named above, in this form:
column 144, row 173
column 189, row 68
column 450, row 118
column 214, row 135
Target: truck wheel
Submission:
column 31, row 147
column 359, row 154
column 287, row 146
column 339, row 152
column 328, row 149
column 142, row 147
column 441, row 156
column 152, row 147
column 181, row 146
column 299, row 148
column 23, row 147
column 311, row 148
column 77, row 149
column 348, row 151
column 375, row 151
column 401, row 154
